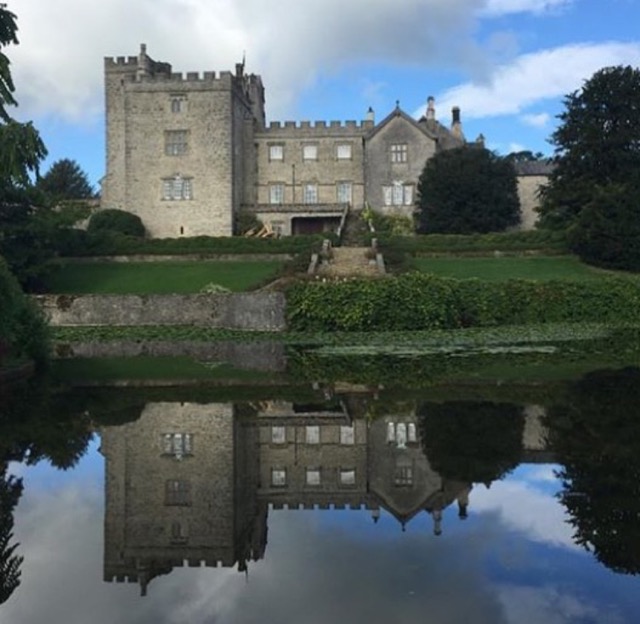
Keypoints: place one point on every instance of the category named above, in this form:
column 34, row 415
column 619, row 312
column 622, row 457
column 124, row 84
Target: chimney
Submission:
column 456, row 124
column 431, row 108
column 143, row 62
column 371, row 116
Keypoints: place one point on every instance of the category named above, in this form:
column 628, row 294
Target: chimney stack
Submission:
column 456, row 124
column 370, row 115
column 431, row 108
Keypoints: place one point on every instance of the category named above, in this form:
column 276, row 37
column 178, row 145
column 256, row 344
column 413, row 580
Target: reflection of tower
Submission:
column 178, row 488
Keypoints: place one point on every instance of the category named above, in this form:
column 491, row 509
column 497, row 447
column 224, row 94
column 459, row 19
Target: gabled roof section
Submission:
column 398, row 112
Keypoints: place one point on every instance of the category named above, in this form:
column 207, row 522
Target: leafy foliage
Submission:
column 596, row 437
column 65, row 180
column 607, row 230
column 116, row 221
column 23, row 331
column 415, row 301
column 596, row 144
column 467, row 190
column 472, row 442
column 10, row 492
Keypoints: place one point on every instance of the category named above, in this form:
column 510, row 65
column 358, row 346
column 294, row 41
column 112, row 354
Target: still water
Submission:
column 341, row 504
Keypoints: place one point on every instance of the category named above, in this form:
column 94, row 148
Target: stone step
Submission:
column 350, row 261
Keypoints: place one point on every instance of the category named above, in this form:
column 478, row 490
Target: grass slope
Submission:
column 158, row 277
column 539, row 268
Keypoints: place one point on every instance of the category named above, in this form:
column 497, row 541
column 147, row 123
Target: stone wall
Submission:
column 244, row 311
column 528, row 192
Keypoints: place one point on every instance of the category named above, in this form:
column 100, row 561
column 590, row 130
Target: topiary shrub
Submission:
column 120, row 221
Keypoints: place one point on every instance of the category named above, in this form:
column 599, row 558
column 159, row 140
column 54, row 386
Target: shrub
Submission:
column 418, row 301
column 117, row 221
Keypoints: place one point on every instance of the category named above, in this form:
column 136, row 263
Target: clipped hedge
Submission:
column 76, row 243
column 530, row 240
column 418, row 301
column 117, row 221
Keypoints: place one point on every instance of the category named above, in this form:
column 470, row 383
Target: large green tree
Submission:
column 64, row 180
column 467, row 190
column 25, row 232
column 597, row 144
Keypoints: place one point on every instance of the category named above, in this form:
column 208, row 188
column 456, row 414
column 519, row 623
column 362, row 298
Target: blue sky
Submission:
column 506, row 63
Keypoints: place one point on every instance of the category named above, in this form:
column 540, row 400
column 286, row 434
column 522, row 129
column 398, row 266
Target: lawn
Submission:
column 509, row 267
column 159, row 277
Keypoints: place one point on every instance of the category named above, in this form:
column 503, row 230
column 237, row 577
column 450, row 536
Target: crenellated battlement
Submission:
column 321, row 125
column 123, row 62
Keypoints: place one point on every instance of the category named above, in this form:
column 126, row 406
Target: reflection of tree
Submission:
column 597, row 440
column 472, row 441
column 10, row 491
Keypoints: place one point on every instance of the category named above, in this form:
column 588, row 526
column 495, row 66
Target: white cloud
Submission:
column 537, row 514
column 536, row 77
column 530, row 605
column 536, row 120
column 504, row 7
column 58, row 64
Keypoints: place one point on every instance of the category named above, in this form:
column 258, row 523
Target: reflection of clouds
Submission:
column 524, row 507
column 532, row 605
column 545, row 473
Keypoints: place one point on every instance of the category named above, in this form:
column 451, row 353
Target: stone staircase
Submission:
column 355, row 230
column 350, row 261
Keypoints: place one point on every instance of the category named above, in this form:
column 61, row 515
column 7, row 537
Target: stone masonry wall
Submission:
column 246, row 311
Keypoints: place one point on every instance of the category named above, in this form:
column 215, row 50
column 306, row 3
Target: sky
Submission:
column 506, row 63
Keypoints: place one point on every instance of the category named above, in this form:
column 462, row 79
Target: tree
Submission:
column 10, row 492
column 596, row 144
column 467, row 190
column 595, row 437
column 21, row 148
column 524, row 156
column 65, row 180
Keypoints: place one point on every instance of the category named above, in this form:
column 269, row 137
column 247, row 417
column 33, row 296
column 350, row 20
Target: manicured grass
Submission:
column 158, row 277
column 508, row 267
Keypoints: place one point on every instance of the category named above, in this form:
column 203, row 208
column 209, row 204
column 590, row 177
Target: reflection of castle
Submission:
column 192, row 483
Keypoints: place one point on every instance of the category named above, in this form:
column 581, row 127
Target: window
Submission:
column 309, row 152
column 175, row 142
column 278, row 435
column 312, row 434
column 310, row 195
column 403, row 476
column 177, row 492
column 401, row 433
column 179, row 533
column 177, row 444
column 343, row 151
column 177, row 188
column 346, row 434
column 343, row 192
column 278, row 477
column 178, row 103
column 276, row 193
column 347, row 476
column 313, row 476
column 399, row 153
column 398, row 194
column 276, row 152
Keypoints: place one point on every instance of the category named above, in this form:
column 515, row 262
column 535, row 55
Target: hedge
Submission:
column 418, row 301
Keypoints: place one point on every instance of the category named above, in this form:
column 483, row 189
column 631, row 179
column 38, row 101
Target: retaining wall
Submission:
column 242, row 311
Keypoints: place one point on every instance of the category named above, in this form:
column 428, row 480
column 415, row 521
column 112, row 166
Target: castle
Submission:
column 188, row 153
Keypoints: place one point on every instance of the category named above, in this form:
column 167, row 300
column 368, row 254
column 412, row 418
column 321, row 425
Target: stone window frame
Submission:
column 398, row 194
column 347, row 435
column 278, row 477
column 348, row 146
column 309, row 152
column 177, row 188
column 178, row 103
column 278, row 435
column 276, row 152
column 347, row 476
column 399, row 153
column 342, row 185
column 177, row 445
column 310, row 193
column 313, row 471
column 276, row 193
column 176, row 142
column 177, row 493
column 313, row 438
